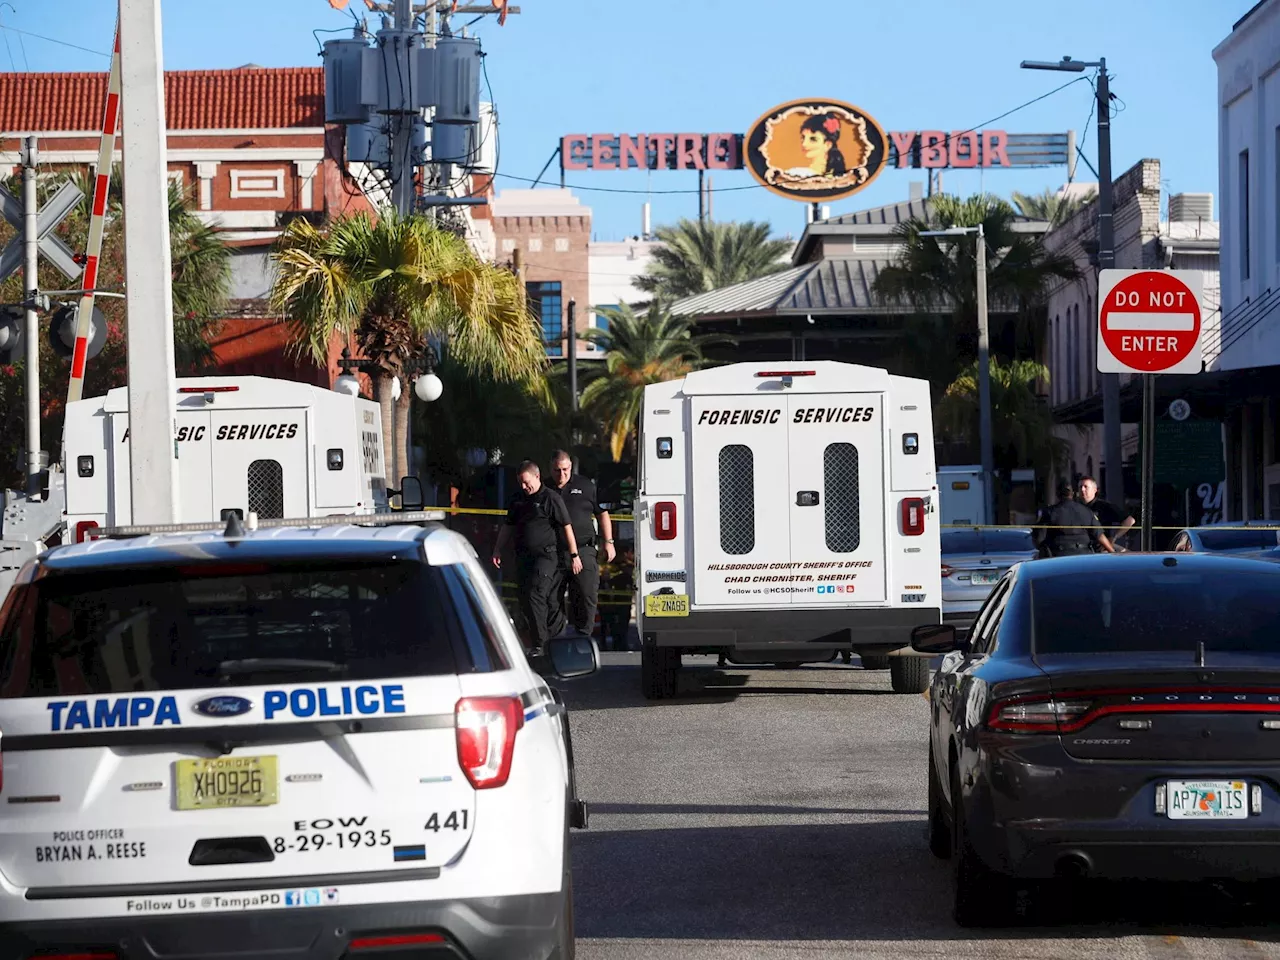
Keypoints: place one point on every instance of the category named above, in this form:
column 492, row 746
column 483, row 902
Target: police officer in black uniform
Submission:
column 537, row 518
column 1073, row 527
column 580, row 497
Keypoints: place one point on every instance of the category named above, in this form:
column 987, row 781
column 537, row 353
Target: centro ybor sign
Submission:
column 816, row 150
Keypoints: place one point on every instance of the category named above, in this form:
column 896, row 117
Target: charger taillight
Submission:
column 664, row 520
column 1037, row 715
column 82, row 530
column 486, row 732
column 913, row 516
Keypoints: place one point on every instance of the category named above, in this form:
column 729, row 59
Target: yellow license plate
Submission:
column 666, row 605
column 219, row 782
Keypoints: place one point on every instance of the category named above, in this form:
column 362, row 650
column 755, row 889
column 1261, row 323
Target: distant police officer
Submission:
column 580, row 497
column 1073, row 527
column 537, row 517
column 1115, row 521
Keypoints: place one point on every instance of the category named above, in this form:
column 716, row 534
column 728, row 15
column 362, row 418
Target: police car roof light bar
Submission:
column 787, row 373
column 208, row 389
column 350, row 519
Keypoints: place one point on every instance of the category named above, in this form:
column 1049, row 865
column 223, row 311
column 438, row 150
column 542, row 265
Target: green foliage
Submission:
column 639, row 349
column 695, row 257
column 1022, row 425
column 936, row 276
column 1050, row 205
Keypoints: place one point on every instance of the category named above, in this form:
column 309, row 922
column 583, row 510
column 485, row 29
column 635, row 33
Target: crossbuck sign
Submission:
column 54, row 250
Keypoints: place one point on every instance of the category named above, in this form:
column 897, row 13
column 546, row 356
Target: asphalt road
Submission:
column 780, row 813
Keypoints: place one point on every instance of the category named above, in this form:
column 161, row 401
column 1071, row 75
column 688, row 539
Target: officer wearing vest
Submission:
column 1073, row 528
column 537, row 518
column 581, row 500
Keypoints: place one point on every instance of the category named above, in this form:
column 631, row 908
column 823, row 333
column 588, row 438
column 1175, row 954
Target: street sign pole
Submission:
column 1149, row 322
column 30, row 287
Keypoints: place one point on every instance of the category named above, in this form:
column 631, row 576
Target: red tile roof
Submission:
column 255, row 98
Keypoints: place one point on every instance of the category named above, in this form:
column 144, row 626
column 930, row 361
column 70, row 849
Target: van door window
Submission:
column 840, row 483
column 737, row 499
column 266, row 489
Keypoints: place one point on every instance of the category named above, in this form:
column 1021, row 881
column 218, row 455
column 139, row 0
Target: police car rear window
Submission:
column 173, row 628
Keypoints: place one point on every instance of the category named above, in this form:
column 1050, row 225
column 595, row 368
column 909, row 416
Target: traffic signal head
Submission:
column 62, row 332
column 12, row 320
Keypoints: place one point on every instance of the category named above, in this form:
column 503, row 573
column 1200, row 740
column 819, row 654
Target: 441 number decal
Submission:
column 456, row 820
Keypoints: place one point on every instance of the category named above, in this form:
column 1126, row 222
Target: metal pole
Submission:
column 153, row 464
column 702, row 197
column 31, row 284
column 984, row 383
column 572, row 341
column 1148, row 455
column 1112, row 453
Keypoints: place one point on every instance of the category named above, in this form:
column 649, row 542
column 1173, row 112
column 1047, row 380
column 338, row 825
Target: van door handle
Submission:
column 807, row 498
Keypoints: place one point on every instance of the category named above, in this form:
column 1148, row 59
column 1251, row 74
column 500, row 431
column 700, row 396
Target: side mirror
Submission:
column 411, row 497
column 568, row 658
column 934, row 638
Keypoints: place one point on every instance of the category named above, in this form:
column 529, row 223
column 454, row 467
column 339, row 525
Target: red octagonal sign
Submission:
column 1149, row 321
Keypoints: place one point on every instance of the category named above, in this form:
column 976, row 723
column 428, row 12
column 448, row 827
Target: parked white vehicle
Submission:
column 315, row 743
column 275, row 448
column 786, row 513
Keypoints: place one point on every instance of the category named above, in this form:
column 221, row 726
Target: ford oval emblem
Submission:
column 222, row 706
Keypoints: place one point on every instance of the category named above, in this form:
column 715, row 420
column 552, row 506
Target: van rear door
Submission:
column 739, row 500
column 837, row 501
column 260, row 462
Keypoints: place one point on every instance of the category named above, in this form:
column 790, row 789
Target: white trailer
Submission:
column 786, row 513
column 962, row 496
column 276, row 448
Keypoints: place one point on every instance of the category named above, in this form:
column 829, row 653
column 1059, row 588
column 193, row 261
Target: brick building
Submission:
column 251, row 146
column 547, row 234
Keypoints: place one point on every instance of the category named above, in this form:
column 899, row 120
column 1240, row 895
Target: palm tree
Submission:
column 1051, row 205
column 697, row 256
column 1021, row 423
column 393, row 283
column 937, row 279
column 639, row 349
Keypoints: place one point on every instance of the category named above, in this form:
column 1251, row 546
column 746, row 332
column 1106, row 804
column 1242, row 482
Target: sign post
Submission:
column 1149, row 322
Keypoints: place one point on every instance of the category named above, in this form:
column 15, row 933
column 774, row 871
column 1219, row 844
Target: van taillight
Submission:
column 913, row 516
column 82, row 529
column 486, row 732
column 664, row 521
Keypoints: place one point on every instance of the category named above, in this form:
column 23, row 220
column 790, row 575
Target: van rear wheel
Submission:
column 658, row 669
column 909, row 674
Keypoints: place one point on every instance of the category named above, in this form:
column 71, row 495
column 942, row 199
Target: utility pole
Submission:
column 148, row 269
column 31, row 287
column 1112, row 451
column 402, row 166
column 984, row 383
column 573, row 354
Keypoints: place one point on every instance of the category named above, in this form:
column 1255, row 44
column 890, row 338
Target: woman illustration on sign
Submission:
column 819, row 138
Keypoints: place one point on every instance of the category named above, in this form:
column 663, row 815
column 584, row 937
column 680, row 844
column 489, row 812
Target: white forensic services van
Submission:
column 313, row 744
column 275, row 448
column 786, row 512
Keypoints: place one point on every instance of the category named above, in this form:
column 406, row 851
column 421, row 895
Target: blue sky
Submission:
column 570, row 66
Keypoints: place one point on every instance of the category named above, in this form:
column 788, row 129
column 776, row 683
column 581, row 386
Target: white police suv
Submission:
column 296, row 744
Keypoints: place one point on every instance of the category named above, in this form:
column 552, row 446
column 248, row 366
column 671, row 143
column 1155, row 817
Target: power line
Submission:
column 64, row 43
column 757, row 186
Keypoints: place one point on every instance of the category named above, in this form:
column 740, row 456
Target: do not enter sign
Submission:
column 1149, row 321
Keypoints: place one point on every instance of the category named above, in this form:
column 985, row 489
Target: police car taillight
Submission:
column 912, row 516
column 396, row 940
column 664, row 521
column 486, row 731
column 82, row 530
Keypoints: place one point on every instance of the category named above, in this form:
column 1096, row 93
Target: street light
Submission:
column 984, row 363
column 1112, row 451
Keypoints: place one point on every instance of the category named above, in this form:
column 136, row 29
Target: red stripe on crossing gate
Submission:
column 112, row 114
column 100, row 195
column 91, row 273
column 79, row 357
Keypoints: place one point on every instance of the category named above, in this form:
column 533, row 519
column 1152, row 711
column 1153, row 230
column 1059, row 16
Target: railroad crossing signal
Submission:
column 55, row 251
column 1149, row 321
column 12, row 320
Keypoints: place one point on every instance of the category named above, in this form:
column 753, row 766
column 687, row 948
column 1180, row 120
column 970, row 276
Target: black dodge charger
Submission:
column 1108, row 716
